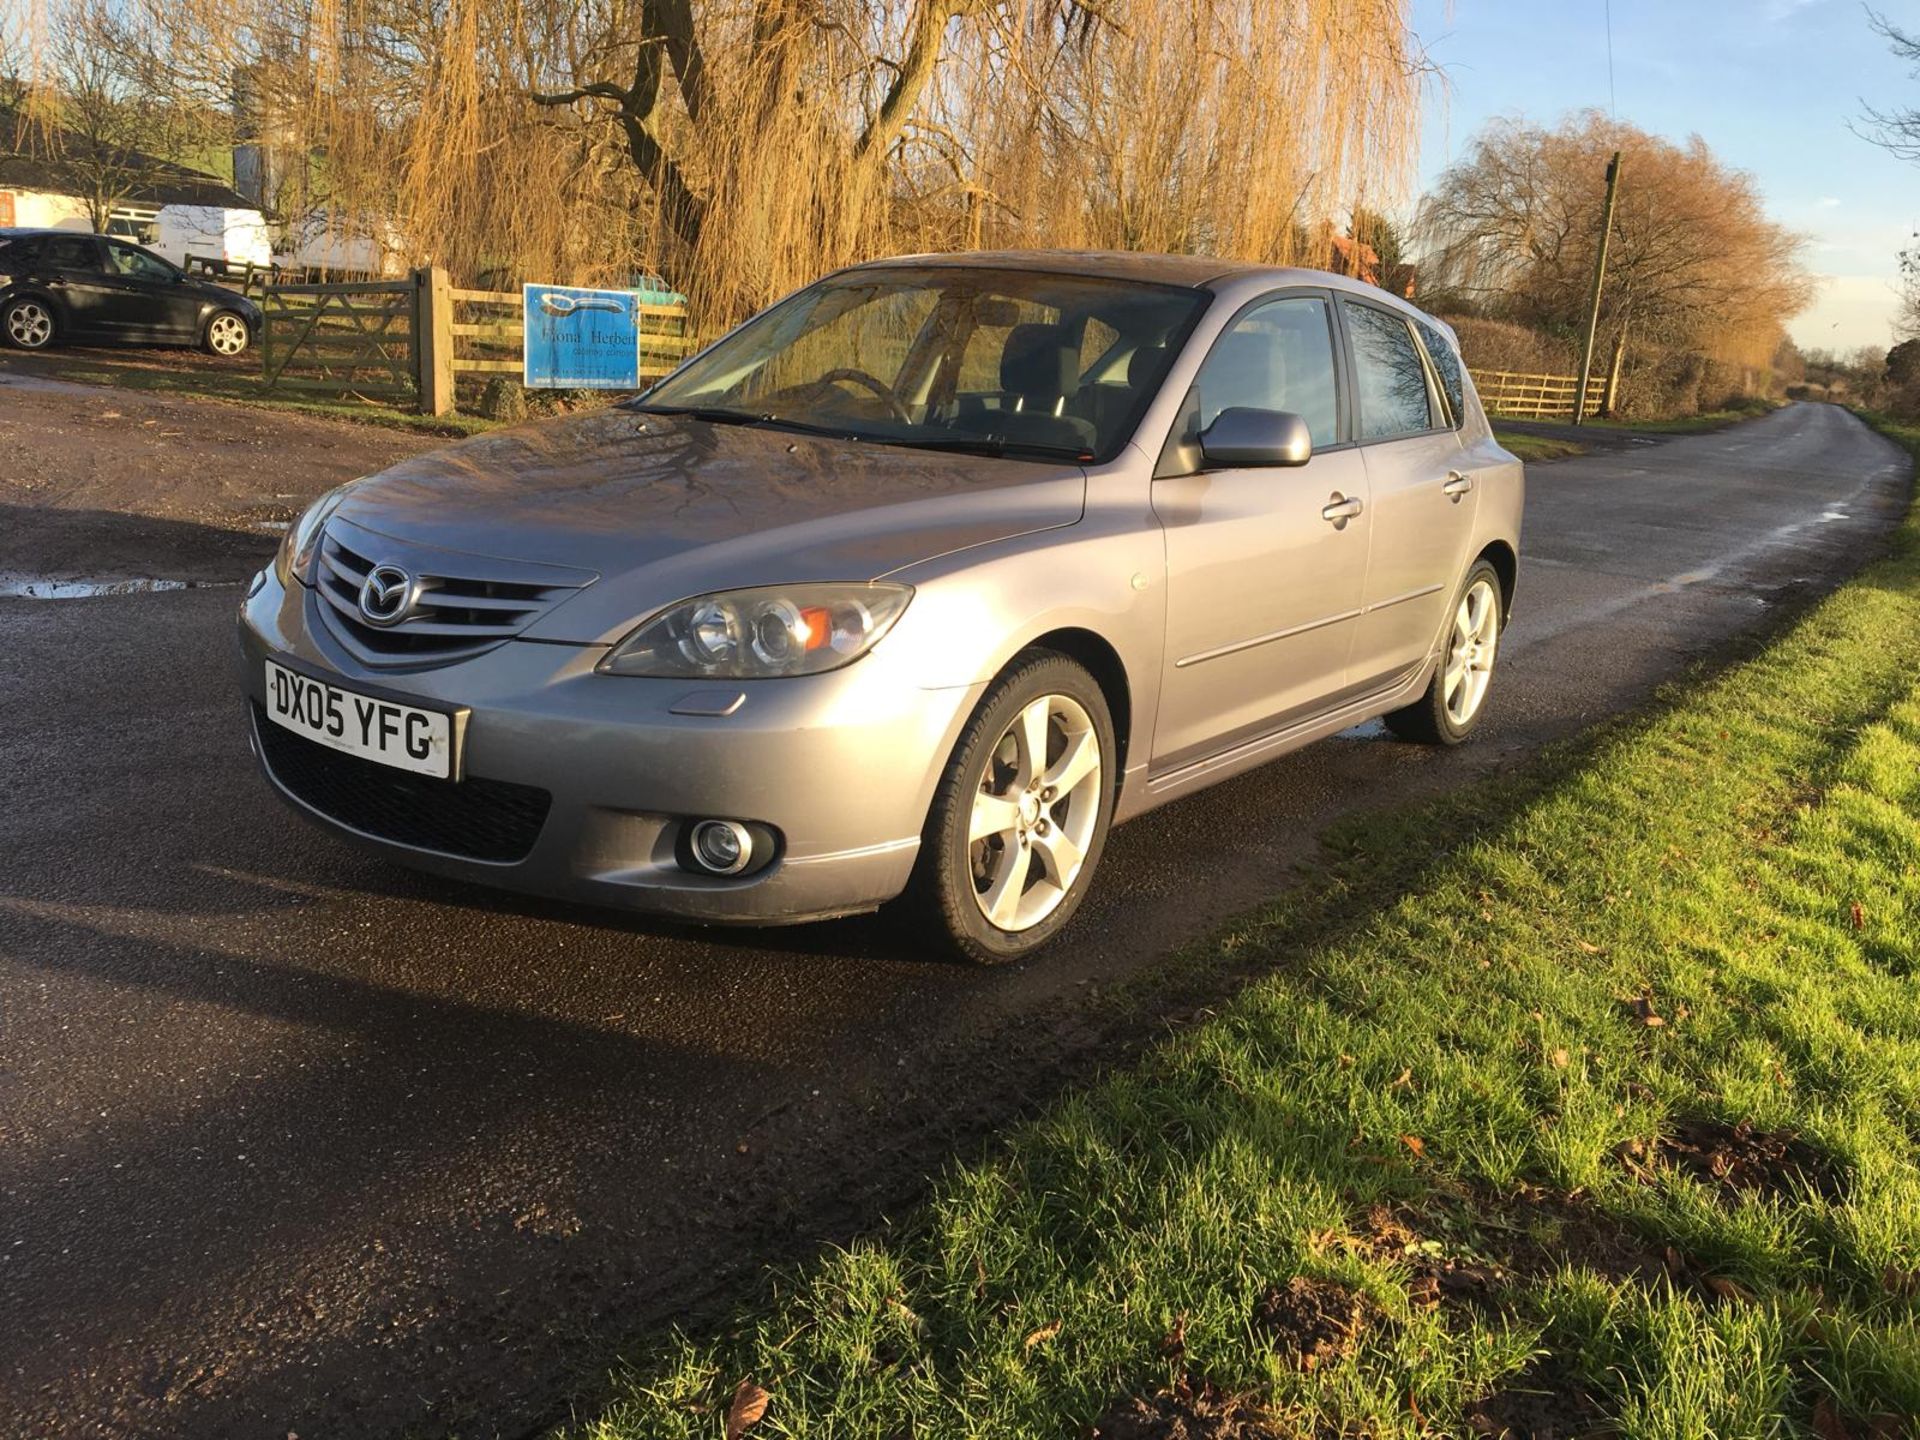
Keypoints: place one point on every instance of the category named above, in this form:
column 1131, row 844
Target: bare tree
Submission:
column 1695, row 263
column 1898, row 129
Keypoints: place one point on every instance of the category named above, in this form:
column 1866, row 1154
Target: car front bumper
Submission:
column 841, row 767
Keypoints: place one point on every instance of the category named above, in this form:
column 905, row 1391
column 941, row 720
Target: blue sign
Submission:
column 581, row 339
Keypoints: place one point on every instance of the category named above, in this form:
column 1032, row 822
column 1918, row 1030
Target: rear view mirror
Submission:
column 1242, row 437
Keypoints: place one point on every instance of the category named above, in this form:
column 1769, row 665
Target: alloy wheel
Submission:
column 1034, row 813
column 29, row 324
column 1470, row 654
column 226, row 334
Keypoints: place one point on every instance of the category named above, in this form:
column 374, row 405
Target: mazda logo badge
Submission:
column 386, row 595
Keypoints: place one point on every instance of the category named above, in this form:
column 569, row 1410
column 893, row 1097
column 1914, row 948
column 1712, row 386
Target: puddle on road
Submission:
column 42, row 587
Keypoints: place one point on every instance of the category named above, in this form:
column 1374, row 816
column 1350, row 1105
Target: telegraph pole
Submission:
column 1599, row 280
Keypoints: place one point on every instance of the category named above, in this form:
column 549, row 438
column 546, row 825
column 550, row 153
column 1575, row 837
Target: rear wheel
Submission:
column 1022, row 812
column 1457, row 695
column 227, row 334
column 28, row 323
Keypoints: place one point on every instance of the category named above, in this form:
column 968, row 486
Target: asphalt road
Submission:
column 294, row 1142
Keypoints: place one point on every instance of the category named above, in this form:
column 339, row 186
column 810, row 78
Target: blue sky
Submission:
column 1769, row 84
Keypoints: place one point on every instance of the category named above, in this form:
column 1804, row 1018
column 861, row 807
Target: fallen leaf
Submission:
column 1346, row 1062
column 1900, row 1282
column 1859, row 916
column 1043, row 1334
column 1675, row 1265
column 1826, row 1424
column 1559, row 1058
column 1405, row 1077
column 1174, row 1343
column 1589, row 949
column 1727, row 1289
column 1414, row 1143
column 1644, row 1012
column 749, row 1404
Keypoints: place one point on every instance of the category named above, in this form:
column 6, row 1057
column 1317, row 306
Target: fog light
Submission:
column 722, row 847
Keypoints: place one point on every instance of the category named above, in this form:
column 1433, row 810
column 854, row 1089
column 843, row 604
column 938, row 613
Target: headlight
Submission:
column 297, row 546
column 758, row 634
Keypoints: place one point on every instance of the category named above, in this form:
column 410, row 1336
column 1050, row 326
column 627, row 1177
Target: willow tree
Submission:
column 743, row 146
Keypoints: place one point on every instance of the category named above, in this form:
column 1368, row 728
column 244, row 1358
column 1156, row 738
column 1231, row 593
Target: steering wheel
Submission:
column 868, row 382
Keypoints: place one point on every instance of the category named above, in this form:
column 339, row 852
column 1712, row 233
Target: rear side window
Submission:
column 1391, row 382
column 1446, row 364
column 1278, row 356
column 61, row 252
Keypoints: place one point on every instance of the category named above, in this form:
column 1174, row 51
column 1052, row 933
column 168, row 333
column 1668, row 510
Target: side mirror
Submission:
column 1242, row 437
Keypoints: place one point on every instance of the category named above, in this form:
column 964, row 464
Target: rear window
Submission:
column 1392, row 383
column 1446, row 364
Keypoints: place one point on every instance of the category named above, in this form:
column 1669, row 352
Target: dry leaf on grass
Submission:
column 1559, row 1058
column 1414, row 1143
column 1644, row 1012
column 1859, row 916
column 749, row 1404
column 1043, row 1334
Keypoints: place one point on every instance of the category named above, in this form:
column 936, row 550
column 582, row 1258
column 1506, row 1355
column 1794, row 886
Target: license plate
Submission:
column 384, row 731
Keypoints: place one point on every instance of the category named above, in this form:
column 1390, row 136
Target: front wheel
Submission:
column 227, row 334
column 28, row 323
column 1022, row 812
column 1451, row 708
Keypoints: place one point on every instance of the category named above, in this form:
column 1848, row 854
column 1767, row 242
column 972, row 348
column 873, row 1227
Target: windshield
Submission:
column 1002, row 361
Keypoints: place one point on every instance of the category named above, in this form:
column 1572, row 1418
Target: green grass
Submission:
column 193, row 376
column 1446, row 1026
column 1534, row 448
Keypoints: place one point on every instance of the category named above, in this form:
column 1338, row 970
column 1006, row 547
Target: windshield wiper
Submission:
column 988, row 445
column 721, row 415
column 712, row 414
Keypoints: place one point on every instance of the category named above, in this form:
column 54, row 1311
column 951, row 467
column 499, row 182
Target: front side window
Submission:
column 64, row 252
column 1391, row 382
column 134, row 264
column 1446, row 364
column 1278, row 356
column 963, row 358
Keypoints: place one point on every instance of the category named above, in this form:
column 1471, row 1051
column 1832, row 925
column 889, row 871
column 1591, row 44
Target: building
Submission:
column 175, row 212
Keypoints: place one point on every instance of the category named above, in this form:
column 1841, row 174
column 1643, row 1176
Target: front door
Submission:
column 151, row 300
column 1264, row 566
column 1423, row 506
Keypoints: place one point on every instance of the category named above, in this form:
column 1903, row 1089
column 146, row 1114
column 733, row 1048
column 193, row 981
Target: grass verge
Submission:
column 190, row 375
column 1533, row 448
column 1587, row 1102
column 1694, row 424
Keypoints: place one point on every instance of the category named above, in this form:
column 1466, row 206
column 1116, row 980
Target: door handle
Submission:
column 1457, row 484
column 1339, row 509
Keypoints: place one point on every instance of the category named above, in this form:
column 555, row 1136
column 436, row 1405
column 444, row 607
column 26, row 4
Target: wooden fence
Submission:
column 1536, row 397
column 414, row 340
column 360, row 339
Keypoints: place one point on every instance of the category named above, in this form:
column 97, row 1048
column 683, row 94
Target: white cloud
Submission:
column 1828, row 202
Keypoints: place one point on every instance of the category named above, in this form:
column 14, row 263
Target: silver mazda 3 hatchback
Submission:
column 913, row 585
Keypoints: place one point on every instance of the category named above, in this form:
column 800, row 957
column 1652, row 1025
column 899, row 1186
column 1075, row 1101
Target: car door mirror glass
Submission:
column 1242, row 436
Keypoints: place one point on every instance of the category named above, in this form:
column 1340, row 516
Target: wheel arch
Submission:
column 1096, row 655
column 1506, row 564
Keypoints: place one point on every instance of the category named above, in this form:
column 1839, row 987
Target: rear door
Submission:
column 1423, row 513
column 1264, row 565
column 78, row 282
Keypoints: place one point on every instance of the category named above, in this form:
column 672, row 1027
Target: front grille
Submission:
column 451, row 617
column 475, row 819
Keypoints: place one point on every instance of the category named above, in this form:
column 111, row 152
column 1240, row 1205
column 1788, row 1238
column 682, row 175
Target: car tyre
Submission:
column 1456, row 697
column 226, row 335
column 28, row 324
column 1022, row 811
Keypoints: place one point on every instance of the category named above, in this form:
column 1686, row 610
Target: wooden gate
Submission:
column 354, row 339
column 1536, row 397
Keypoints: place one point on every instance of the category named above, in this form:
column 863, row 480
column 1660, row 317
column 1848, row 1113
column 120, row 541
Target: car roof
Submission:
column 1199, row 272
